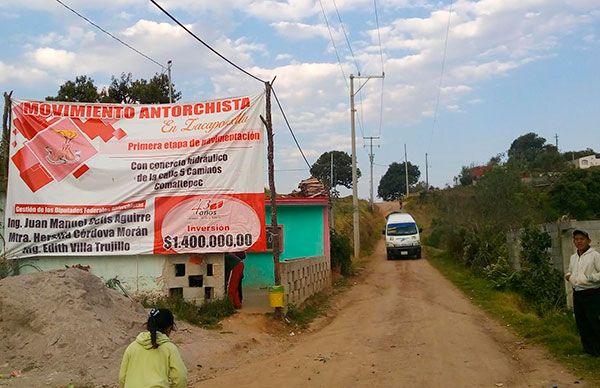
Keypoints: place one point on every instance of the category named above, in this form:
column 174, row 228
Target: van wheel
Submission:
column 389, row 256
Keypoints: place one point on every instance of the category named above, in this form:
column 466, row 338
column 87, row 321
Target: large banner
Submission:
column 103, row 179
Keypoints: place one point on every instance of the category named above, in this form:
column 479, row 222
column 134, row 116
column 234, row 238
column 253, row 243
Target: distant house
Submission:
column 587, row 161
column 479, row 171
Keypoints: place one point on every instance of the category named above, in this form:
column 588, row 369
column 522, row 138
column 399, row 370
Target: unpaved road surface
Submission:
column 401, row 325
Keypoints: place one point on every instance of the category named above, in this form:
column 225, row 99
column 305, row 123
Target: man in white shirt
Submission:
column 584, row 276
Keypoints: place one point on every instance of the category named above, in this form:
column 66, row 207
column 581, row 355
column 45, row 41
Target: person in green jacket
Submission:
column 152, row 360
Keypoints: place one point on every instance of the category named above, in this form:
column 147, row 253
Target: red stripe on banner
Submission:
column 80, row 171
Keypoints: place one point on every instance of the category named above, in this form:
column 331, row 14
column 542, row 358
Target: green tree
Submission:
column 80, row 90
column 496, row 160
column 577, row 194
column 549, row 160
column 123, row 90
column 502, row 201
column 465, row 178
column 531, row 153
column 119, row 90
column 572, row 155
column 393, row 183
column 153, row 91
column 526, row 148
column 342, row 169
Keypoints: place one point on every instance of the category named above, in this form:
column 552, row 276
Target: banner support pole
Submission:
column 6, row 138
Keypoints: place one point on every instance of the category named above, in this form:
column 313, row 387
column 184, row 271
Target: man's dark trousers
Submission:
column 586, row 306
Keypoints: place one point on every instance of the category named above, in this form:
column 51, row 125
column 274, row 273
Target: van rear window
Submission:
column 402, row 229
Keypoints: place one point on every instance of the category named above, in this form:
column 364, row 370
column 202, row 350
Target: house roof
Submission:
column 299, row 201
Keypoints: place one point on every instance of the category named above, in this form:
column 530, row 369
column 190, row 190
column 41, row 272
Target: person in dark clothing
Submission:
column 584, row 276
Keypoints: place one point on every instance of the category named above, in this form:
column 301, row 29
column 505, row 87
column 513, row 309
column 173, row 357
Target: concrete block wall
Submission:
column 197, row 280
column 302, row 278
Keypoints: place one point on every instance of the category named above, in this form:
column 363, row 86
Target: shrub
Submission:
column 341, row 253
column 483, row 248
column 540, row 283
column 501, row 274
column 208, row 315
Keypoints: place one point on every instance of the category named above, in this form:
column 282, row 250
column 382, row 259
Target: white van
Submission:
column 402, row 237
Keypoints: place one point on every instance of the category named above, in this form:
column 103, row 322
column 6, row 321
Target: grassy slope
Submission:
column 371, row 223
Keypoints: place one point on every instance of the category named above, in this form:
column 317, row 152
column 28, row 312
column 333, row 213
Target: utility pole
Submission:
column 331, row 223
column 426, row 173
column 274, row 225
column 355, row 218
column 406, row 169
column 5, row 145
column 169, row 63
column 371, row 159
column 556, row 140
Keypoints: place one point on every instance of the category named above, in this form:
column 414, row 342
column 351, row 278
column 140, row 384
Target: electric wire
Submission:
column 242, row 70
column 360, row 102
column 333, row 44
column 437, row 103
column 289, row 127
column 204, row 43
column 346, row 36
column 109, row 34
column 382, row 67
column 361, row 114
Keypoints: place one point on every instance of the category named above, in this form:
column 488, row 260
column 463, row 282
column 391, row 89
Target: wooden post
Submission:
column 5, row 149
column 275, row 231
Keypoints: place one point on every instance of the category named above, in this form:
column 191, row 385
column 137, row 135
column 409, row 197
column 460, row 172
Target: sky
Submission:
column 463, row 79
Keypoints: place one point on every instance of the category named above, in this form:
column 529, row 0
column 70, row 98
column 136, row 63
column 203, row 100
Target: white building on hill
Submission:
column 587, row 161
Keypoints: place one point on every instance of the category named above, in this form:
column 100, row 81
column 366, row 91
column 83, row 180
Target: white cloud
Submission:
column 300, row 31
column 75, row 37
column 283, row 57
column 590, row 38
column 149, row 28
column 282, row 10
column 50, row 58
column 24, row 74
column 125, row 15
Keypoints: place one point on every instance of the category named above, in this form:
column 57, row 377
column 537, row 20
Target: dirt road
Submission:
column 403, row 325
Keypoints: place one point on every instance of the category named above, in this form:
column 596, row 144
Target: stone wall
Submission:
column 302, row 278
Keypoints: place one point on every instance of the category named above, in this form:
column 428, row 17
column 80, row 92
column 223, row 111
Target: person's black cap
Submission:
column 581, row 232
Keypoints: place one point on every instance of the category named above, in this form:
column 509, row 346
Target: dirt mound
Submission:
column 64, row 327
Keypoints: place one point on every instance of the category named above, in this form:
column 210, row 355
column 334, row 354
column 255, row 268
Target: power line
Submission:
column 289, row 127
column 333, row 43
column 378, row 34
column 346, row 35
column 437, row 103
column 361, row 115
column 204, row 43
column 109, row 34
column 382, row 68
column 239, row 68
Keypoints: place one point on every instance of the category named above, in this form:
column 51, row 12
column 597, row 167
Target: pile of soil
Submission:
column 64, row 327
